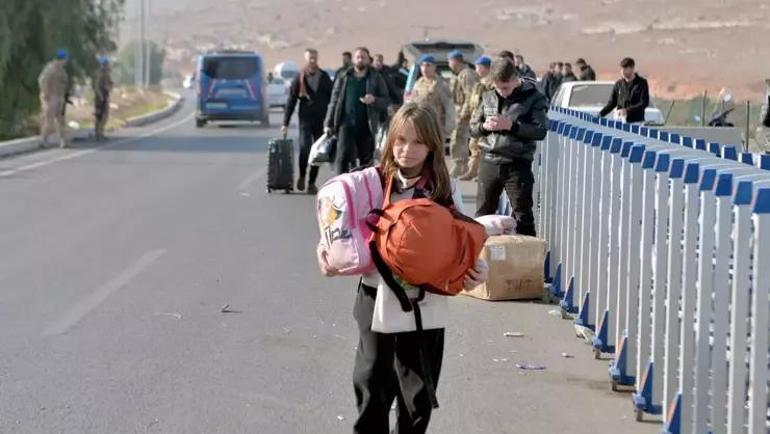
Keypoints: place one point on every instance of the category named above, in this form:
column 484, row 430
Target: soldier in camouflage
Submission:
column 463, row 82
column 102, row 85
column 54, row 83
column 432, row 90
column 482, row 69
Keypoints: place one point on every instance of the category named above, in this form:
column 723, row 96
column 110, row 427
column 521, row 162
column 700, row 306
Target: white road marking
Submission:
column 244, row 185
column 91, row 302
column 81, row 153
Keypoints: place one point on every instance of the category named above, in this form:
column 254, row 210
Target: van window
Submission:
column 231, row 68
column 590, row 95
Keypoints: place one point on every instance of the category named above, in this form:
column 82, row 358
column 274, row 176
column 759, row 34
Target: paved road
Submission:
column 114, row 266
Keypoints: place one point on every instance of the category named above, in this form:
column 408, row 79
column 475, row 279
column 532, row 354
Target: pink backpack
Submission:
column 343, row 205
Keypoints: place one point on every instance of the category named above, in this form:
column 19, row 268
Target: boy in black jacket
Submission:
column 630, row 96
column 512, row 118
column 313, row 89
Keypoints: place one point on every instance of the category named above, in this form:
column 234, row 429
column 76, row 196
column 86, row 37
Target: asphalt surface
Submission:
column 116, row 263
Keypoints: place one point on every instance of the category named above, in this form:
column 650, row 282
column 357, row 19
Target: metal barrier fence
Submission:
column 659, row 245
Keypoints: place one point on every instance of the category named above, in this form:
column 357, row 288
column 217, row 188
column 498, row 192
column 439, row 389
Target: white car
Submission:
column 277, row 92
column 189, row 81
column 592, row 96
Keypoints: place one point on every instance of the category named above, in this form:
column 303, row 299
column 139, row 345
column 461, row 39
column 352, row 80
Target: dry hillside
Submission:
column 683, row 46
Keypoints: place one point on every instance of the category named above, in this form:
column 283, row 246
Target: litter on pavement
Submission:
column 530, row 367
column 513, row 334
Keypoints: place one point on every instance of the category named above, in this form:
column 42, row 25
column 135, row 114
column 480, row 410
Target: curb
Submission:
column 155, row 116
column 29, row 144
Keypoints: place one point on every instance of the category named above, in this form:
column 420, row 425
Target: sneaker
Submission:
column 301, row 183
column 312, row 189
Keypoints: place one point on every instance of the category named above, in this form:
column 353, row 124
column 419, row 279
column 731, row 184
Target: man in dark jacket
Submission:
column 585, row 72
column 566, row 74
column 512, row 118
column 313, row 89
column 359, row 98
column 551, row 81
column 630, row 96
column 523, row 69
column 347, row 62
column 394, row 93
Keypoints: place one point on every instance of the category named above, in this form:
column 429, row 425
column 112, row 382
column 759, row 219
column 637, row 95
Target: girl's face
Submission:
column 408, row 151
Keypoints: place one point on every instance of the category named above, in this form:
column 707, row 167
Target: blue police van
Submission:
column 231, row 87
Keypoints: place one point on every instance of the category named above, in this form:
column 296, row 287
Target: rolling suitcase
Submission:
column 280, row 165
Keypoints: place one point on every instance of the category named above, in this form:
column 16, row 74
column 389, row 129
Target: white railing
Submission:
column 660, row 247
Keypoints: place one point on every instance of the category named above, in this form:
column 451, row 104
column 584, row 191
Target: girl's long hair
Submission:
column 426, row 125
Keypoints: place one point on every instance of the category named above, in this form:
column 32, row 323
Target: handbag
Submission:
column 323, row 150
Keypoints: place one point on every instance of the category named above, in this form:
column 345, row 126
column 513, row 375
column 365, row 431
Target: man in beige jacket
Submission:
column 54, row 83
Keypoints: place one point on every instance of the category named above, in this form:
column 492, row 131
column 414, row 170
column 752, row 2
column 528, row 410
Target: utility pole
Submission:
column 139, row 69
column 148, row 44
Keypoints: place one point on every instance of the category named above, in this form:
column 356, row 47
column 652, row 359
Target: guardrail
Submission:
column 659, row 245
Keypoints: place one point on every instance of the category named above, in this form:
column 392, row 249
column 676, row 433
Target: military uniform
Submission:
column 470, row 105
column 436, row 94
column 102, row 88
column 462, row 87
column 53, row 83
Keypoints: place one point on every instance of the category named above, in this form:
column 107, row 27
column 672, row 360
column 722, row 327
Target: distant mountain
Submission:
column 683, row 46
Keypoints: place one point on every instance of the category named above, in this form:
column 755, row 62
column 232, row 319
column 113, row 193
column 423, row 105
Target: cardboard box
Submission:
column 515, row 268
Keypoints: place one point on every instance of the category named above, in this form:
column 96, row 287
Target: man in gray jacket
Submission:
column 512, row 118
column 359, row 101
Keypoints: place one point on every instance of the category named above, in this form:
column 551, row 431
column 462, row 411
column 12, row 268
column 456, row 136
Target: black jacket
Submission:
column 634, row 96
column 312, row 109
column 550, row 84
column 395, row 94
column 375, row 85
column 587, row 74
column 528, row 108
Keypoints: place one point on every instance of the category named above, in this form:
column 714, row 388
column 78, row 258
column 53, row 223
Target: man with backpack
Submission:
column 359, row 98
column 312, row 88
column 512, row 118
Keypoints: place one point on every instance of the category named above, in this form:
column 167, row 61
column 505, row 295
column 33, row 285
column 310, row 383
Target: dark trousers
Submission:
column 354, row 144
column 387, row 367
column 516, row 179
column 308, row 133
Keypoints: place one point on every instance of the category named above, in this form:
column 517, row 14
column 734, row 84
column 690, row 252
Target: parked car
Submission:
column 439, row 49
column 592, row 96
column 231, row 86
column 277, row 92
column 286, row 70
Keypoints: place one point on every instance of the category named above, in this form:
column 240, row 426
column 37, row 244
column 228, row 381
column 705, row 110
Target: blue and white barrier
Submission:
column 659, row 245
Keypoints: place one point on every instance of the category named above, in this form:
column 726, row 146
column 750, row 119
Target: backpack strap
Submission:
column 387, row 275
column 427, row 375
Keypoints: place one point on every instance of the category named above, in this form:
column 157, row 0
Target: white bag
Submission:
column 389, row 317
column 322, row 151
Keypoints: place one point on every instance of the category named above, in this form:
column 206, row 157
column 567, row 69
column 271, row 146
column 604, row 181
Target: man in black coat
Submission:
column 630, row 96
column 512, row 117
column 312, row 88
column 359, row 100
column 585, row 72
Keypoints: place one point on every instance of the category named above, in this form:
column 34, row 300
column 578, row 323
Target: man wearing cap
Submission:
column 482, row 69
column 54, row 83
column 462, row 84
column 102, row 85
column 512, row 117
column 432, row 90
